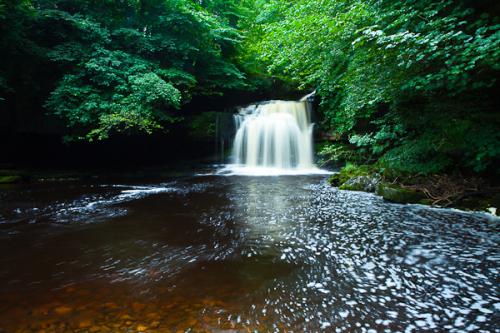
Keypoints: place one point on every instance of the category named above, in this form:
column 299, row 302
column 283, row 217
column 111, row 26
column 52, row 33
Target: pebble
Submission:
column 138, row 306
column 141, row 328
column 85, row 323
column 63, row 310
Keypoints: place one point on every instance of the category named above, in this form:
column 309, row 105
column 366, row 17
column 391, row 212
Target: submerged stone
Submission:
column 141, row 328
column 85, row 323
column 62, row 310
column 395, row 193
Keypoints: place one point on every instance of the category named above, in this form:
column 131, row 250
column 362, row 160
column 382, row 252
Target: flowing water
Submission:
column 240, row 254
column 273, row 138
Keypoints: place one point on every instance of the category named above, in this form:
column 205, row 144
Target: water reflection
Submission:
column 264, row 208
column 243, row 254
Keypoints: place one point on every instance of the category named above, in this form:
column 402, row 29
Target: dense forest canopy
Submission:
column 107, row 66
column 410, row 85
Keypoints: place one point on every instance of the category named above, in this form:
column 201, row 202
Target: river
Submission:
column 207, row 253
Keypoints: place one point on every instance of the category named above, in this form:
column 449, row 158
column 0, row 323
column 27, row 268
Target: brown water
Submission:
column 240, row 254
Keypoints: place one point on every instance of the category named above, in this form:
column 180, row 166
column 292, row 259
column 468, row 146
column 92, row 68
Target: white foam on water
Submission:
column 273, row 139
column 239, row 170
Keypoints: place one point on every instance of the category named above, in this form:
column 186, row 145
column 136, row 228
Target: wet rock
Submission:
column 85, row 323
column 366, row 183
column 94, row 329
column 126, row 317
column 46, row 323
column 105, row 329
column 111, row 305
column 138, row 306
column 153, row 315
column 356, row 178
column 395, row 193
column 428, row 202
column 141, row 328
column 63, row 310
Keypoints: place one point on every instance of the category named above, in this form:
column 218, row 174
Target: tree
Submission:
column 411, row 83
column 128, row 66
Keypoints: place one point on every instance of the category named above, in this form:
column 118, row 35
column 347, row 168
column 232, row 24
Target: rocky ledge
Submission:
column 438, row 190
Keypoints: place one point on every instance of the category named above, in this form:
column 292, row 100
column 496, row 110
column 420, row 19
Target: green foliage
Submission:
column 412, row 83
column 121, row 67
column 137, row 86
column 203, row 126
column 408, row 84
column 15, row 45
column 339, row 153
column 350, row 171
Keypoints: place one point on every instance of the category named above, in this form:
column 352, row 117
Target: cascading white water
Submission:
column 277, row 134
column 274, row 138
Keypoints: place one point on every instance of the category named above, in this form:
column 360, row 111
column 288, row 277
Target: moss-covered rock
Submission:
column 426, row 202
column 356, row 178
column 399, row 194
column 350, row 171
column 366, row 183
column 334, row 179
column 10, row 179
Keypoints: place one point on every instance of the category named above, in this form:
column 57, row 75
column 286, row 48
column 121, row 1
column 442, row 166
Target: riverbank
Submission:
column 465, row 193
column 442, row 190
column 13, row 174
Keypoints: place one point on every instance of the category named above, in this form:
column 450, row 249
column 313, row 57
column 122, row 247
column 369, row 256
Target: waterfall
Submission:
column 273, row 137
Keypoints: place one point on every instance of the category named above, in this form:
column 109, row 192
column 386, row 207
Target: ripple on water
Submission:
column 277, row 254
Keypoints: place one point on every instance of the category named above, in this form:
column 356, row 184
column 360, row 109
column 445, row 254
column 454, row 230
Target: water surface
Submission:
column 240, row 254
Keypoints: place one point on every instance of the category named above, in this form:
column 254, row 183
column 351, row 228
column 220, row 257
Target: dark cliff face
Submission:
column 49, row 150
